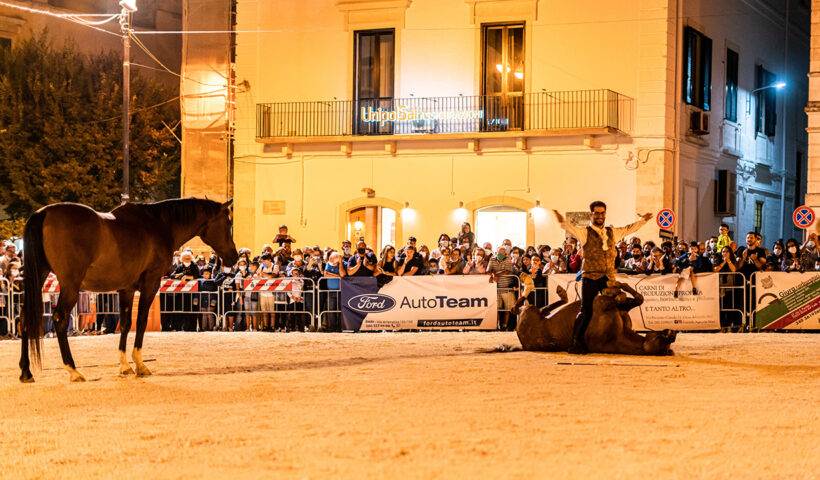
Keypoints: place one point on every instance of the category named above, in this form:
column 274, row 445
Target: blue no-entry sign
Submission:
column 803, row 216
column 666, row 219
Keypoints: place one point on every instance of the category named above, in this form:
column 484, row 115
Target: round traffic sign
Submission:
column 803, row 216
column 666, row 219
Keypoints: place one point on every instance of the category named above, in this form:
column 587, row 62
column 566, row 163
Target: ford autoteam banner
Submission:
column 660, row 309
column 787, row 300
column 420, row 302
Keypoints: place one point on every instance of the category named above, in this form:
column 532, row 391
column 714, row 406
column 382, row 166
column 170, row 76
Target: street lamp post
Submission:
column 128, row 7
column 777, row 85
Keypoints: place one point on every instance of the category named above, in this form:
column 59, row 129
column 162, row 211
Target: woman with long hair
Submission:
column 466, row 234
column 386, row 267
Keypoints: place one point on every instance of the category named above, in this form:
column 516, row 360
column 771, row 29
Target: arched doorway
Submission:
column 498, row 222
column 375, row 224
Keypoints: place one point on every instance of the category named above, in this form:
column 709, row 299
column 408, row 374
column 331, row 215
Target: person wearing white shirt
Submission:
column 598, row 244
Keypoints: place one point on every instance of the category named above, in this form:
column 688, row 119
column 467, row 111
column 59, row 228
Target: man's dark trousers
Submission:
column 590, row 288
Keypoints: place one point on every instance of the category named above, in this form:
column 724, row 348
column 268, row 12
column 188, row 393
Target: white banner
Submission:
column 787, row 300
column 426, row 302
column 660, row 309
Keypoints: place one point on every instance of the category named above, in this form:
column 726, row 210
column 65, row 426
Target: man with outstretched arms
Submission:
column 599, row 261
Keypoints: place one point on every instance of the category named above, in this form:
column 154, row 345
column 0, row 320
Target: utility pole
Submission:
column 128, row 7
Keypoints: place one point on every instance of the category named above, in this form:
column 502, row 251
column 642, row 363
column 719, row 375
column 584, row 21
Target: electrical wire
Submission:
column 134, row 111
column 71, row 17
column 153, row 57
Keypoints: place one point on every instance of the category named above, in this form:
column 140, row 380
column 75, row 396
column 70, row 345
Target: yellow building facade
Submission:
column 386, row 119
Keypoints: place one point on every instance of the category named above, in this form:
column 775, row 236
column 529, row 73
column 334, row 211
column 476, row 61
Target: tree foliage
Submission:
column 61, row 130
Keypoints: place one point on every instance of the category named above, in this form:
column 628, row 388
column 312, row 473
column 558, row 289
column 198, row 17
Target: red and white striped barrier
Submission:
column 51, row 285
column 269, row 284
column 179, row 286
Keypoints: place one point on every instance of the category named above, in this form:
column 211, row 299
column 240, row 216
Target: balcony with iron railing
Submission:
column 581, row 112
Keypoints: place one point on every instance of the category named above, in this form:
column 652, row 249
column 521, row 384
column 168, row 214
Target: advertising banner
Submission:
column 661, row 309
column 419, row 303
column 787, row 300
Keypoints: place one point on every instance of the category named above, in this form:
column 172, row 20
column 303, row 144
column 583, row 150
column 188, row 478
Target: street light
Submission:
column 128, row 7
column 776, row 86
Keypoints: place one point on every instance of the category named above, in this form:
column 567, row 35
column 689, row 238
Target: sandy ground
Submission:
column 414, row 405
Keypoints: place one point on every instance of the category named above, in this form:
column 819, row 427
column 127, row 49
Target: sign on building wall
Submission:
column 273, row 207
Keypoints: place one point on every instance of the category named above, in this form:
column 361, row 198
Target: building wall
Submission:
column 303, row 51
column 761, row 163
column 437, row 54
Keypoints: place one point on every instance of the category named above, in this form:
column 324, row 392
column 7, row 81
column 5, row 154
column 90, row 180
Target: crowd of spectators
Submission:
column 458, row 254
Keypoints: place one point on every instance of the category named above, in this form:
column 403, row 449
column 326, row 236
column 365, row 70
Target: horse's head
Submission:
column 218, row 233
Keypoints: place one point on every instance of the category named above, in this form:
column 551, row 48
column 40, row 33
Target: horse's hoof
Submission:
column 126, row 370
column 142, row 371
column 26, row 377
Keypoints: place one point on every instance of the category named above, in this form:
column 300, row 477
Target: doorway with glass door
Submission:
column 373, row 224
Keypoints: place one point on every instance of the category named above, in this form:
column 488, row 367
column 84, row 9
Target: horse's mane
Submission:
column 182, row 210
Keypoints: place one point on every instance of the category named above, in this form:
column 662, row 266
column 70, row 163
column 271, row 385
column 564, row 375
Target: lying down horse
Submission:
column 126, row 250
column 610, row 330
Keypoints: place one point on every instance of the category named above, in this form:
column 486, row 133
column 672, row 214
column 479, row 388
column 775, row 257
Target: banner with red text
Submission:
column 661, row 309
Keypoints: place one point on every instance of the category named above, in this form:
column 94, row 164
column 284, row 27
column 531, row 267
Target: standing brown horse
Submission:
column 126, row 250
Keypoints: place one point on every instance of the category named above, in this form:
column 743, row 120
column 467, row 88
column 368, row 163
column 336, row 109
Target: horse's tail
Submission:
column 36, row 268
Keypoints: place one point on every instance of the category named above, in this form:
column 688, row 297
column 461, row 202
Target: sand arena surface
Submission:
column 414, row 405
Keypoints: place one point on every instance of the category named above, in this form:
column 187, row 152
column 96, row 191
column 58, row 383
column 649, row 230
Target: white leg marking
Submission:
column 142, row 370
column 125, row 369
column 75, row 375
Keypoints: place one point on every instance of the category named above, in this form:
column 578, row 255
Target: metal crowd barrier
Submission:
column 6, row 313
column 320, row 305
column 188, row 311
column 732, row 291
column 277, row 302
column 329, row 306
column 101, row 310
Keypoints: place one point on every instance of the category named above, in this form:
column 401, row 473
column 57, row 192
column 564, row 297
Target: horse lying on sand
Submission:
column 610, row 330
column 126, row 250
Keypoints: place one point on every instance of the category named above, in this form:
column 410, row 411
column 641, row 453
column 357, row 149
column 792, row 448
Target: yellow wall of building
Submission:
column 308, row 56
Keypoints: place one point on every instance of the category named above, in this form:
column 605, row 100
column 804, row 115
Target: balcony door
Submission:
column 503, row 77
column 373, row 80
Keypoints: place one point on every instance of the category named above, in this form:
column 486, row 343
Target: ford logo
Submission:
column 371, row 303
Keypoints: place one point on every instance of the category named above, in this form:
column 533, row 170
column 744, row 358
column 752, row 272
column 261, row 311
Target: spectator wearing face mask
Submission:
column 501, row 270
column 347, row 252
column 477, row 265
column 539, row 281
column 636, row 263
column 432, row 266
column 443, row 242
column 334, row 270
column 657, row 263
column 791, row 257
column 809, row 254
column 455, row 264
column 726, row 261
column 776, row 258
column 236, row 321
column 466, row 235
column 363, row 263
column 297, row 262
column 555, row 262
column 186, row 270
column 424, row 253
column 9, row 254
